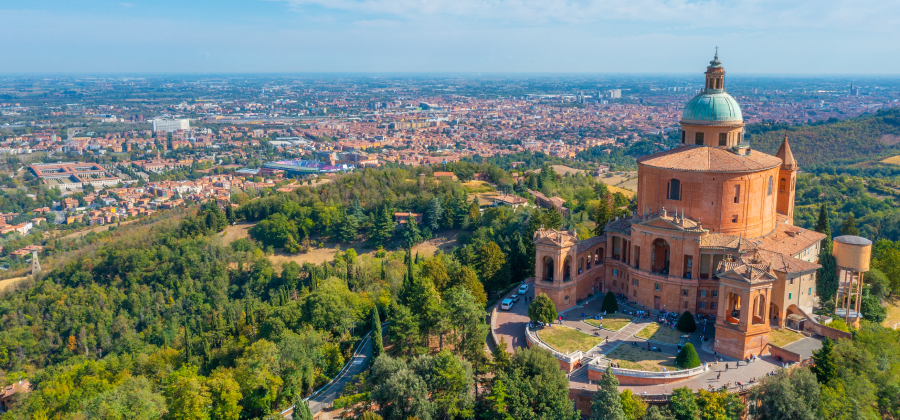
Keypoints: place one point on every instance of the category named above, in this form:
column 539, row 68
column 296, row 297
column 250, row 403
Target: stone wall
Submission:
column 786, row 355
column 826, row 331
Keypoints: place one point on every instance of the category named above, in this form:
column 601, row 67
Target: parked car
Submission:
column 507, row 304
column 523, row 288
column 515, row 297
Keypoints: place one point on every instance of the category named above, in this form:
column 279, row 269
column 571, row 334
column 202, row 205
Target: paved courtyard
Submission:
column 511, row 326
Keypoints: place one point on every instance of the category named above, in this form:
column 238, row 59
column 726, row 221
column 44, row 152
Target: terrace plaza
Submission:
column 713, row 234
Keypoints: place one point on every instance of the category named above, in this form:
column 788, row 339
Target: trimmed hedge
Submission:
column 687, row 358
column 686, row 323
column 610, row 304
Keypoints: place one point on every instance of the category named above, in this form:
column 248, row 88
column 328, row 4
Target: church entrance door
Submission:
column 656, row 303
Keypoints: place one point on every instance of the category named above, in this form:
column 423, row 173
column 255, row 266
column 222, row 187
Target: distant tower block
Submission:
column 35, row 264
column 852, row 255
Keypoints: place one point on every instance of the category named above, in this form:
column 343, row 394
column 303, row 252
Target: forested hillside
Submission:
column 828, row 145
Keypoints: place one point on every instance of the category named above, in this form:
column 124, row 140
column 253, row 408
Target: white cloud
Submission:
column 757, row 14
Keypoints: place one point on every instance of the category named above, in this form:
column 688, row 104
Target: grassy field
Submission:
column 658, row 332
column 567, row 340
column 614, row 322
column 893, row 313
column 563, row 170
column 445, row 242
column 473, row 187
column 626, row 181
column 639, row 359
column 893, row 160
column 5, row 284
column 783, row 337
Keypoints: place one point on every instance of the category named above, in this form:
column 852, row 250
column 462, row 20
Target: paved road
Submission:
column 359, row 363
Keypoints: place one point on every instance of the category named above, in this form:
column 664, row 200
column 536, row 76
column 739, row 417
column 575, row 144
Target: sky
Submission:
column 755, row 37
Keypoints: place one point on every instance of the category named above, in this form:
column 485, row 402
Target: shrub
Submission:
column 610, row 304
column 542, row 309
column 686, row 323
column 687, row 358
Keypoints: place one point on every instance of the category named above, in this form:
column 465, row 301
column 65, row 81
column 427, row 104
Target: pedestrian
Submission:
column 726, row 366
column 719, row 376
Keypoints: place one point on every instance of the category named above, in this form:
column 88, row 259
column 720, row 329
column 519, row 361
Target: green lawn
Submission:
column 659, row 332
column 638, row 358
column 783, row 337
column 567, row 340
column 614, row 322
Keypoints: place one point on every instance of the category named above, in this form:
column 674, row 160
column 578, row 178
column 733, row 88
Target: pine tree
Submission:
column 824, row 366
column 382, row 227
column 501, row 356
column 348, row 228
column 607, row 404
column 301, row 410
column 849, row 227
column 355, row 209
column 377, row 343
column 474, row 216
column 602, row 215
column 411, row 233
column 497, row 402
column 687, row 358
column 433, row 214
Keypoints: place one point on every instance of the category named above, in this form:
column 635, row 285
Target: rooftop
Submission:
column 693, row 158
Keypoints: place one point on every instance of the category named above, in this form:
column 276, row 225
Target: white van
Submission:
column 507, row 304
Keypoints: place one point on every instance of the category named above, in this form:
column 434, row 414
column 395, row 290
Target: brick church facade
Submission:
column 713, row 234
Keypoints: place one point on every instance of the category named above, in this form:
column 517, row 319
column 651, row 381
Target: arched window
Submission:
column 770, row 186
column 674, row 190
column 580, row 265
column 782, row 184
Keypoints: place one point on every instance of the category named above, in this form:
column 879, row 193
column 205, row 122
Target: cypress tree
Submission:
column 826, row 277
column 377, row 344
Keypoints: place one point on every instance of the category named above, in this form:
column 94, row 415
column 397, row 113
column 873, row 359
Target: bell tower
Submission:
column 715, row 75
column 745, row 292
column 787, row 177
column 554, row 266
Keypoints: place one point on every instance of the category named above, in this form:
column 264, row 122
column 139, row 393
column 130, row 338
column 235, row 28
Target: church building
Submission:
column 713, row 234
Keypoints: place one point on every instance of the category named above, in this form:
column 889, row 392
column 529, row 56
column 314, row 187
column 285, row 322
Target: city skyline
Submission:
column 468, row 36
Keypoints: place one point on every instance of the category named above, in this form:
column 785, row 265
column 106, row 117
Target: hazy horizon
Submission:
column 755, row 37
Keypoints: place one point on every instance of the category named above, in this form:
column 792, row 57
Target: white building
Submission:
column 171, row 125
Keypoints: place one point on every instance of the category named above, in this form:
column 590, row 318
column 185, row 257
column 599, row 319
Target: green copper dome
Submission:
column 713, row 105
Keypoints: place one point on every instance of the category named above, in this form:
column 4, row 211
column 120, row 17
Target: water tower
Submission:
column 852, row 255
